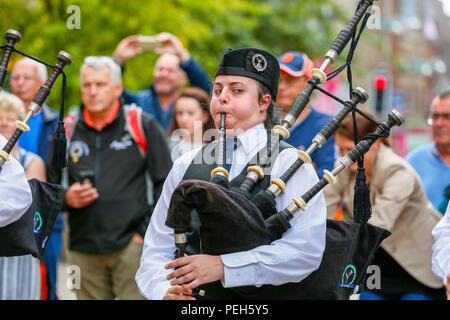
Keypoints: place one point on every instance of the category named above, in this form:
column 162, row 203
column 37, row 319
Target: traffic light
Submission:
column 380, row 84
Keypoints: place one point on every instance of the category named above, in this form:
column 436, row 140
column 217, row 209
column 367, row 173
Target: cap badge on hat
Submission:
column 259, row 62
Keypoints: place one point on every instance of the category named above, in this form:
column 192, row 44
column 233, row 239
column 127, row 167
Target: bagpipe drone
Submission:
column 232, row 218
column 30, row 233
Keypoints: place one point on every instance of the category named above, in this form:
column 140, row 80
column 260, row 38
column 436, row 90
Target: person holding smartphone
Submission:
column 172, row 70
column 106, row 200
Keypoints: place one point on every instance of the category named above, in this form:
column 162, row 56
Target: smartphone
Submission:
column 148, row 43
column 87, row 176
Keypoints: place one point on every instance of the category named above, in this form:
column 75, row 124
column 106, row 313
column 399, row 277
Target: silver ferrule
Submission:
column 14, row 32
column 253, row 175
column 34, row 107
column 363, row 94
column 343, row 163
column 293, row 208
column 2, row 161
column 320, row 139
column 398, row 117
column 180, row 238
column 332, row 56
column 274, row 189
column 289, row 119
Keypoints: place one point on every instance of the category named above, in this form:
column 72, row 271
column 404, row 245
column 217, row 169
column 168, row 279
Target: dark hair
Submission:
column 270, row 121
column 202, row 98
column 364, row 126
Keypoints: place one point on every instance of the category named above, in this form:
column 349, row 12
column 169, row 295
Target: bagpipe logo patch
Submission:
column 348, row 277
column 37, row 222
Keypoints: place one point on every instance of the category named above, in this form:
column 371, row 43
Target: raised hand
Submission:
column 126, row 49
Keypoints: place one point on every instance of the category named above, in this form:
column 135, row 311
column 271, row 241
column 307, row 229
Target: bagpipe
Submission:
column 231, row 219
column 30, row 233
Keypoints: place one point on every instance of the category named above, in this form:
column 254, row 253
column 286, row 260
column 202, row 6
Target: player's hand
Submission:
column 173, row 45
column 196, row 269
column 178, row 293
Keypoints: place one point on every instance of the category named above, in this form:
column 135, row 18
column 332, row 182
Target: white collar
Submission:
column 253, row 138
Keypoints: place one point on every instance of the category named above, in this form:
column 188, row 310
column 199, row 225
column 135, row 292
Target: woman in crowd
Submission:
column 191, row 122
column 19, row 276
column 400, row 205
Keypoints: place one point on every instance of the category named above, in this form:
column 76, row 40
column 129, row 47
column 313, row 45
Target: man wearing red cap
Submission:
column 295, row 72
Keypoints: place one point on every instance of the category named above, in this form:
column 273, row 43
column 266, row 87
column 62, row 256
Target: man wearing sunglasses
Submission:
column 432, row 161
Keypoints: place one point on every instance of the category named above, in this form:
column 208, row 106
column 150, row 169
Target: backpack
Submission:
column 133, row 125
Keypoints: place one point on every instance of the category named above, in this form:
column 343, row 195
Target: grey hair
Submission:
column 440, row 96
column 41, row 69
column 10, row 102
column 103, row 62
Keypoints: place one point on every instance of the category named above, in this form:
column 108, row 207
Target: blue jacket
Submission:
column 47, row 131
column 147, row 100
column 302, row 135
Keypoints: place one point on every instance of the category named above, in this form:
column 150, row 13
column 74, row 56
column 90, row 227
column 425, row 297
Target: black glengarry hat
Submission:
column 253, row 63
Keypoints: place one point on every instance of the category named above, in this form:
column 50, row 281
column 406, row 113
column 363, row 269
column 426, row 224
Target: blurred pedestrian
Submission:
column 400, row 205
column 107, row 194
column 191, row 122
column 27, row 76
column 441, row 250
column 432, row 161
column 295, row 72
column 171, row 72
column 20, row 277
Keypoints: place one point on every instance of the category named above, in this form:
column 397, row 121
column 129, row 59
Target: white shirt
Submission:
column 441, row 248
column 15, row 192
column 289, row 259
column 178, row 148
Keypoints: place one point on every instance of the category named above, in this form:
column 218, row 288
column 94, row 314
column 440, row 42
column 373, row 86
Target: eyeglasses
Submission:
column 435, row 116
column 25, row 78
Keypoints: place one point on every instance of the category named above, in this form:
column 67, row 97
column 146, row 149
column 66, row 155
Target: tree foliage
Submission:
column 205, row 27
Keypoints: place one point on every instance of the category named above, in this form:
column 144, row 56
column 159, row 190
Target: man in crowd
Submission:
column 295, row 73
column 432, row 161
column 107, row 195
column 172, row 70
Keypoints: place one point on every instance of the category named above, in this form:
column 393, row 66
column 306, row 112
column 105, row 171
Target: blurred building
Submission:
column 408, row 42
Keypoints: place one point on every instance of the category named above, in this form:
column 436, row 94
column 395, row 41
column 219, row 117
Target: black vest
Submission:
column 200, row 170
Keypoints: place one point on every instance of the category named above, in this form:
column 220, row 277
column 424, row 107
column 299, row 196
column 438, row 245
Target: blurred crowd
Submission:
column 122, row 144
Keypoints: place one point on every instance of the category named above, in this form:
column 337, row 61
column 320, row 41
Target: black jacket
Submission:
column 112, row 160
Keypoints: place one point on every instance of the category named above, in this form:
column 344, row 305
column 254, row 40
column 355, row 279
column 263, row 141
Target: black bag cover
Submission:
column 231, row 223
column 30, row 233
